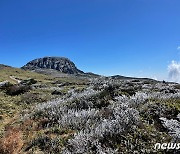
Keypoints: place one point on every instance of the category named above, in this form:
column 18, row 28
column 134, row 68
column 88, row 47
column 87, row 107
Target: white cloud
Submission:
column 178, row 48
column 174, row 71
column 155, row 78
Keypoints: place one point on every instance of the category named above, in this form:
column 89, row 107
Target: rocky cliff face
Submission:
column 61, row 64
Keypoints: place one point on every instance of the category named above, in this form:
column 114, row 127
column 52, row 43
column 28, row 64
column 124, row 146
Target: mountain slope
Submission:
column 61, row 64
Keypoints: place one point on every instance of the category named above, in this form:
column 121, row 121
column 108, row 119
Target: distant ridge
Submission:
column 130, row 78
column 2, row 66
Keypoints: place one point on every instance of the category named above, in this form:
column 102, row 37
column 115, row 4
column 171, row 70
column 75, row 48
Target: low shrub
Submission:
column 28, row 82
column 45, row 143
column 17, row 89
column 4, row 85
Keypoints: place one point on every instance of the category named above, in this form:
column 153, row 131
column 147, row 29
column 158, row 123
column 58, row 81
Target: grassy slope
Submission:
column 12, row 106
column 7, row 72
column 34, row 130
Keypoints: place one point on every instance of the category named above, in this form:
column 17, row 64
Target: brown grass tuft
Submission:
column 12, row 142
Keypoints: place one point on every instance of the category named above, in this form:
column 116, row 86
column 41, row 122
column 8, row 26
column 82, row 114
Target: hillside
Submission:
column 73, row 114
column 9, row 73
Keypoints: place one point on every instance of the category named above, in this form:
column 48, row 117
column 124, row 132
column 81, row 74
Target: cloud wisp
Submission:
column 174, row 71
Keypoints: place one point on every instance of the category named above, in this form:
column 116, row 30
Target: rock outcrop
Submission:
column 64, row 65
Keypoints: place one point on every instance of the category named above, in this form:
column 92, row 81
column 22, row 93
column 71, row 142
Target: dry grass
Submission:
column 12, row 142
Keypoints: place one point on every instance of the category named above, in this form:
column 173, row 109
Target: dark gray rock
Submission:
column 61, row 64
column 56, row 92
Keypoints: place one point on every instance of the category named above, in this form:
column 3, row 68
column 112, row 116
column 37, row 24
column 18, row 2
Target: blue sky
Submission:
column 127, row 37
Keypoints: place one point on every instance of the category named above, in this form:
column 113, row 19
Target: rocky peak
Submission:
column 61, row 64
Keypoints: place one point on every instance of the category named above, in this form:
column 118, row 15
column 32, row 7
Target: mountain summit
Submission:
column 62, row 64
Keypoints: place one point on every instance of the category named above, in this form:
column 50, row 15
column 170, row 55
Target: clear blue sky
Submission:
column 126, row 37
